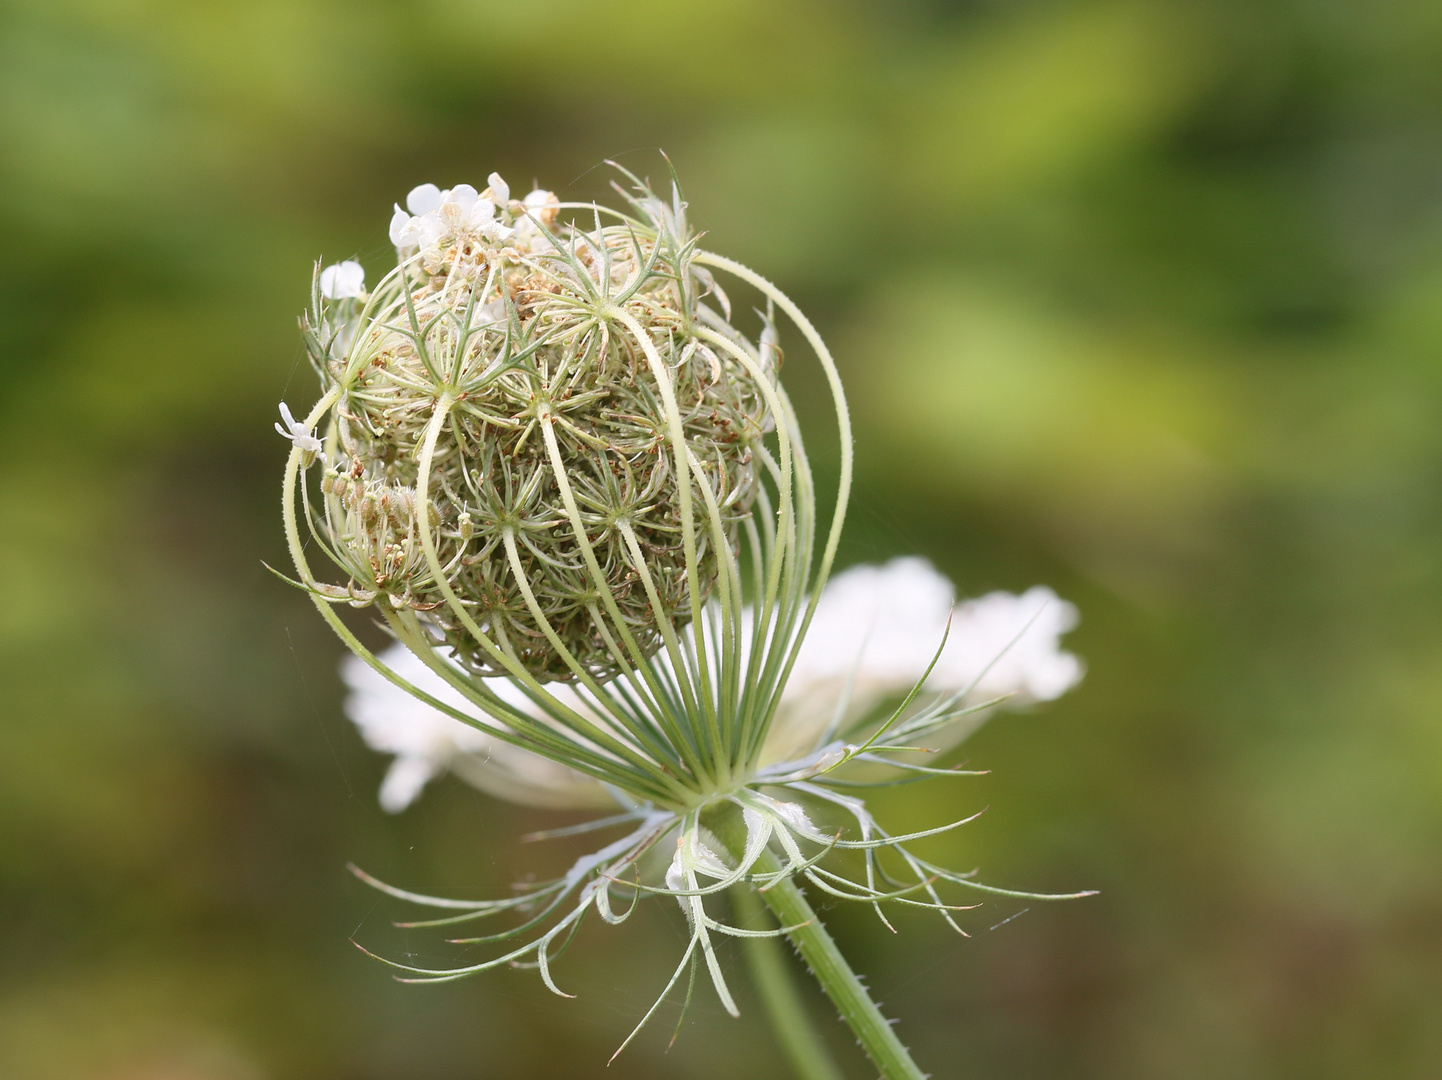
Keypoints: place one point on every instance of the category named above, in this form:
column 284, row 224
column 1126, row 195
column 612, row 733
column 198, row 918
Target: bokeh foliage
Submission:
column 1139, row 299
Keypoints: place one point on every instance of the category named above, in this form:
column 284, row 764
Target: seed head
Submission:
column 520, row 368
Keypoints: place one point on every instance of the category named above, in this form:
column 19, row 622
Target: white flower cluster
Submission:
column 434, row 219
column 875, row 631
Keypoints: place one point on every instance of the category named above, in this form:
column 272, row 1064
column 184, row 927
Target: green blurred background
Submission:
column 1139, row 300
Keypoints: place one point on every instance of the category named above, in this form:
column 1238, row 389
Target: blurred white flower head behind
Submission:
column 876, row 628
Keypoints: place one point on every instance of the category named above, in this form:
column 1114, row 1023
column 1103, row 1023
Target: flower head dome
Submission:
column 514, row 373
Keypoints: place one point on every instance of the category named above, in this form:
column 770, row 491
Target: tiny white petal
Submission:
column 404, row 780
column 1010, row 645
column 343, row 280
column 429, row 229
column 424, row 199
column 402, row 234
column 463, row 196
column 297, row 432
column 480, row 213
column 354, row 276
column 500, row 190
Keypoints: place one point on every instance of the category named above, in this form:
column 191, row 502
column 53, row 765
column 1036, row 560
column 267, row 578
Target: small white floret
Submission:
column 500, row 190
column 297, row 432
column 404, row 231
column 542, row 205
column 462, row 196
column 424, row 199
column 481, row 213
column 343, row 280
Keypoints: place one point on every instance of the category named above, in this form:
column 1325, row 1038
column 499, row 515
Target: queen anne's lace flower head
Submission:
column 571, row 487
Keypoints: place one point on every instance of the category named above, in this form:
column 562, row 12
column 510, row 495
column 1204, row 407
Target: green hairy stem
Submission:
column 804, row 1048
column 819, row 950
